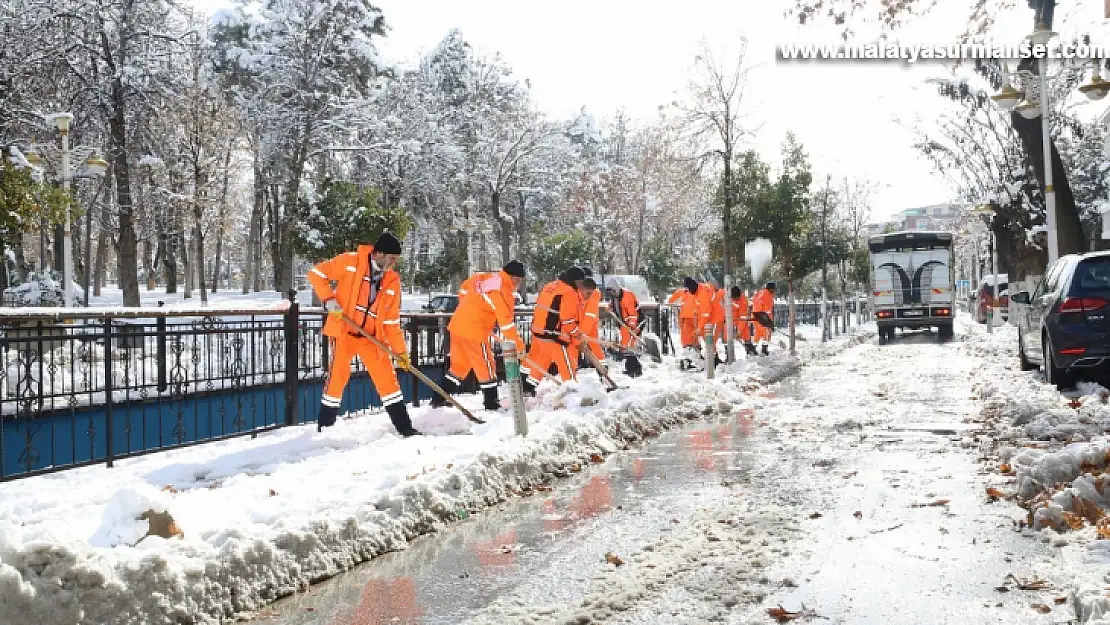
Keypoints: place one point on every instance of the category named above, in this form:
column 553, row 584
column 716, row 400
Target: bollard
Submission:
column 710, row 353
column 516, row 388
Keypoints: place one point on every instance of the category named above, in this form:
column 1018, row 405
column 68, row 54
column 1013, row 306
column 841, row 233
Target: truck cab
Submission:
column 912, row 282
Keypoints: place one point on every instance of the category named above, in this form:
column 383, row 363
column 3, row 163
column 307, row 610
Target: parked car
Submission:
column 441, row 304
column 1065, row 327
column 985, row 296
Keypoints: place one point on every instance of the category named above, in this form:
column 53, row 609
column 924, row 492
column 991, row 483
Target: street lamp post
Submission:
column 1036, row 103
column 95, row 165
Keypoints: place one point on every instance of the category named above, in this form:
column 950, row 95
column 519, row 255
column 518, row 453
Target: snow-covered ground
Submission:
column 1050, row 452
column 261, row 518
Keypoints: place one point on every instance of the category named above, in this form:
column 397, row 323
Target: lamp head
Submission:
column 60, row 121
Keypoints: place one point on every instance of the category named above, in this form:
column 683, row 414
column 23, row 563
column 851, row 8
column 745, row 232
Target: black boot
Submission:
column 327, row 417
column 632, row 367
column 490, row 399
column 438, row 401
column 529, row 386
column 766, row 352
column 399, row 415
column 750, row 349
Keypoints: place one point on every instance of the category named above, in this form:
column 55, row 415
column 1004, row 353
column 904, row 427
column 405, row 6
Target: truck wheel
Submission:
column 882, row 336
column 945, row 332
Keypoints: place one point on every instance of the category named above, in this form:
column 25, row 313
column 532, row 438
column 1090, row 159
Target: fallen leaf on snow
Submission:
column 782, row 615
column 1060, row 600
column 575, row 468
column 1005, row 468
column 273, row 493
column 169, row 489
column 614, row 559
column 596, row 458
column 1087, row 509
column 995, row 494
column 815, row 515
column 1029, row 584
column 1042, row 608
column 858, row 514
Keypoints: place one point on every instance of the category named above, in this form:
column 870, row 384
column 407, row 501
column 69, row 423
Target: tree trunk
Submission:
column 127, row 265
column 186, row 262
column 635, row 266
column 167, row 245
column 20, row 260
column 505, row 226
column 290, row 218
column 101, row 252
column 222, row 227
column 198, row 237
column 149, row 265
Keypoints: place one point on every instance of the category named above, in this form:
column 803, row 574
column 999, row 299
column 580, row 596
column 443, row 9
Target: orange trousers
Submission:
column 762, row 332
column 378, row 364
column 544, row 352
column 688, row 331
column 626, row 338
column 467, row 356
column 743, row 332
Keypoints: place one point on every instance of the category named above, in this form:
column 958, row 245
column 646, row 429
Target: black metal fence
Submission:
column 83, row 387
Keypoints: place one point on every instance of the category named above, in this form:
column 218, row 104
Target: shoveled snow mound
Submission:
column 264, row 517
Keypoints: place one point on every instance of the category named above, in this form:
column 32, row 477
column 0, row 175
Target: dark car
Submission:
column 442, row 304
column 1065, row 325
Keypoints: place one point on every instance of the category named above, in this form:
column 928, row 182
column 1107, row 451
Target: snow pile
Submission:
column 261, row 518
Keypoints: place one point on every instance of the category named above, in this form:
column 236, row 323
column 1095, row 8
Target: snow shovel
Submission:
column 413, row 370
column 601, row 370
column 649, row 345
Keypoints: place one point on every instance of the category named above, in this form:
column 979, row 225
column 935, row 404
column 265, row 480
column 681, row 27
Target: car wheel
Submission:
column 1052, row 374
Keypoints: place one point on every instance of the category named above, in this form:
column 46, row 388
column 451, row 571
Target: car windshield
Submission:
column 1092, row 276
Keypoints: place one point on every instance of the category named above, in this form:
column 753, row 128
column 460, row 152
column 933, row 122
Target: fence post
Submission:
column 516, row 388
column 108, row 366
column 414, row 358
column 710, row 352
column 292, row 366
column 160, row 349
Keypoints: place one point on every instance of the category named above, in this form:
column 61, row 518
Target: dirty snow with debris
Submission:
column 262, row 518
column 1054, row 449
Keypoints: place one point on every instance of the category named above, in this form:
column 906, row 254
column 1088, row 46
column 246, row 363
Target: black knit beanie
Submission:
column 387, row 244
column 691, row 284
column 514, row 268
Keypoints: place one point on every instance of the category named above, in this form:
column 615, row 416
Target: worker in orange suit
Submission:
column 763, row 312
column 686, row 298
column 688, row 316
column 368, row 292
column 623, row 302
column 590, row 321
column 717, row 313
column 741, row 318
column 486, row 306
column 555, row 328
column 706, row 295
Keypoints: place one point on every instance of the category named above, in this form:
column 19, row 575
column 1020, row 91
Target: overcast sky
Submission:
column 607, row 54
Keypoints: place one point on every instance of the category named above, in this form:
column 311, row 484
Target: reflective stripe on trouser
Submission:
column 377, row 363
column 544, row 352
column 467, row 356
column 688, row 331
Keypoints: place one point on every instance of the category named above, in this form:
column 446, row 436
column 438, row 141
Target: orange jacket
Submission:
column 764, row 301
column 628, row 308
column 591, row 310
column 740, row 309
column 351, row 270
column 486, row 304
column 706, row 296
column 556, row 313
column 717, row 313
column 688, row 303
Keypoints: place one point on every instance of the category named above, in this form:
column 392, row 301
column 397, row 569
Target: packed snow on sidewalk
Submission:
column 1052, row 452
column 209, row 532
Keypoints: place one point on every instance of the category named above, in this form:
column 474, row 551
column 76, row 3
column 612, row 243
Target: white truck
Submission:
column 912, row 282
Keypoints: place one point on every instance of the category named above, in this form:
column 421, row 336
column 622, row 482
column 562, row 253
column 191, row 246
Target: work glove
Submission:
column 520, row 348
column 403, row 361
column 334, row 309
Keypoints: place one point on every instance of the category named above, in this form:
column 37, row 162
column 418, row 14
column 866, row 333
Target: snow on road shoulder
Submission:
column 251, row 520
column 1054, row 449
